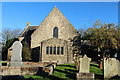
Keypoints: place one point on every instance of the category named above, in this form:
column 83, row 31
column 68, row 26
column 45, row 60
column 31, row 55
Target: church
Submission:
column 52, row 40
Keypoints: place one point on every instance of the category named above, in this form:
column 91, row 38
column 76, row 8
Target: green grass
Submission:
column 35, row 76
column 94, row 68
column 3, row 61
column 66, row 72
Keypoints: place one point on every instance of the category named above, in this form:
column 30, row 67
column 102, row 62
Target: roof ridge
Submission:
column 34, row 25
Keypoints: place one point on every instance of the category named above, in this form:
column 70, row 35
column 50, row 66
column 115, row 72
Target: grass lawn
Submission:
column 3, row 61
column 94, row 68
column 66, row 72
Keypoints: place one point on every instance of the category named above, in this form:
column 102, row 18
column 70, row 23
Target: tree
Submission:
column 106, row 37
column 6, row 47
column 7, row 37
column 8, row 33
column 26, row 52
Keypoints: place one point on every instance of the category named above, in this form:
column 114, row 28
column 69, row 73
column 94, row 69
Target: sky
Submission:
column 80, row 14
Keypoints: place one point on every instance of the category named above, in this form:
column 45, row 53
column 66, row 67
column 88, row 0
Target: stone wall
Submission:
column 18, row 70
column 33, row 69
column 61, row 58
column 110, row 67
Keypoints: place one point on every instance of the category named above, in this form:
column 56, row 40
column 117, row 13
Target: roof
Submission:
column 29, row 27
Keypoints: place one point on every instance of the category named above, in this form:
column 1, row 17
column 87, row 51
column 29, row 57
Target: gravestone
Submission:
column 84, row 69
column 84, row 64
column 110, row 67
column 16, row 58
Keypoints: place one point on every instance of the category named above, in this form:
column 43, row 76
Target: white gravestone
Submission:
column 84, row 64
column 16, row 58
column 110, row 67
column 84, row 69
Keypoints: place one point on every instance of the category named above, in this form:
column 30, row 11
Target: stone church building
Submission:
column 52, row 40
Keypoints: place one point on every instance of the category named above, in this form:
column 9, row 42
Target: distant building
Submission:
column 52, row 40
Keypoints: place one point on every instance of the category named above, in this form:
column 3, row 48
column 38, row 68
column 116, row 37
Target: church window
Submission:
column 50, row 50
column 58, row 50
column 62, row 50
column 47, row 50
column 55, row 32
column 54, row 50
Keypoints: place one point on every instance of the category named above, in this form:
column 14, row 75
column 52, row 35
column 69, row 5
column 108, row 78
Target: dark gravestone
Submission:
column 16, row 58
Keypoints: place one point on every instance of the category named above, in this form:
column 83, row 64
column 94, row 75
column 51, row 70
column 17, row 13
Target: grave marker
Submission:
column 110, row 67
column 84, row 69
column 16, row 58
column 84, row 64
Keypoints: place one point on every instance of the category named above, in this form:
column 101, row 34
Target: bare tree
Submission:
column 8, row 33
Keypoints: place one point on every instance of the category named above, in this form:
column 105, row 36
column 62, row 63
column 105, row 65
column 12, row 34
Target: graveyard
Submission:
column 55, row 50
column 84, row 69
column 61, row 72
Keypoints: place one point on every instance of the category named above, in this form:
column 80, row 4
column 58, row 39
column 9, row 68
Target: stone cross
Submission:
column 16, row 58
column 84, row 64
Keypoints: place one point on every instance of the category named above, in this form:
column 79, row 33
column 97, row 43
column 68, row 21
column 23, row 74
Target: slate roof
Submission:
column 27, row 29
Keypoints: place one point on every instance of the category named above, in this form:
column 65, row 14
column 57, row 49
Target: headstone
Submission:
column 84, row 69
column 16, row 58
column 84, row 64
column 110, row 67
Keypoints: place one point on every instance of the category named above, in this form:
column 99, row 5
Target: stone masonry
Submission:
column 38, row 38
column 54, row 57
column 45, row 32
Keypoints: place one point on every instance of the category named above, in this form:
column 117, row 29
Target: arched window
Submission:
column 55, row 32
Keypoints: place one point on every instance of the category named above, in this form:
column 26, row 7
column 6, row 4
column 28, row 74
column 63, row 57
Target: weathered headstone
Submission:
column 16, row 58
column 110, row 67
column 84, row 69
column 85, row 64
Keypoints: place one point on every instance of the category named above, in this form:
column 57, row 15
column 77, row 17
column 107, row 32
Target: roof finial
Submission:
column 28, row 23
